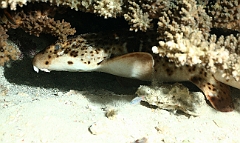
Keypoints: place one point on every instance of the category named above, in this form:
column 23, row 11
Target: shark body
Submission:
column 127, row 55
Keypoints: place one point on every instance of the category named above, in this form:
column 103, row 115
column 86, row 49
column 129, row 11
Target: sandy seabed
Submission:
column 62, row 107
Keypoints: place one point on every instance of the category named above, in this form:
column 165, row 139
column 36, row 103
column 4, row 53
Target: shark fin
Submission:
column 138, row 65
column 216, row 92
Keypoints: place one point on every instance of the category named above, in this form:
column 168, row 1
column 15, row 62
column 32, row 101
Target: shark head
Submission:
column 73, row 55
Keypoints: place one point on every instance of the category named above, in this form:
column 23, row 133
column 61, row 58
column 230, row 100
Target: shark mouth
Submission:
column 37, row 69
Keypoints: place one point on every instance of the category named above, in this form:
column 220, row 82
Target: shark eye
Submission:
column 57, row 47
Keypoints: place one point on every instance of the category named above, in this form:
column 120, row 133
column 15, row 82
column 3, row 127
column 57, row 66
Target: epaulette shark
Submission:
column 127, row 55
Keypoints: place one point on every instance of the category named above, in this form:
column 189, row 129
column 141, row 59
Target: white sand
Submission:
column 64, row 107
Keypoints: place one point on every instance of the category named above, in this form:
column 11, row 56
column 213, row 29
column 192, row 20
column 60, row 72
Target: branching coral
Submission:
column 60, row 29
column 226, row 56
column 74, row 4
column 34, row 21
column 155, row 7
column 132, row 11
column 37, row 21
column 186, row 41
column 182, row 32
column 136, row 18
column 12, row 3
column 7, row 51
column 108, row 8
column 226, row 14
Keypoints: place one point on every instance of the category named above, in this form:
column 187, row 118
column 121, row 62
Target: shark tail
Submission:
column 216, row 92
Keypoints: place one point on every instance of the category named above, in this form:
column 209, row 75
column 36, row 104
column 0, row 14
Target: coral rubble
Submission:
column 173, row 97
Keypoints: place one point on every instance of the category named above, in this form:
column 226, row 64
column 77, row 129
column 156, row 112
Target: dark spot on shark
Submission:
column 213, row 99
column 169, row 71
column 70, row 62
column 205, row 74
column 47, row 62
column 67, row 50
column 196, row 79
column 74, row 53
column 209, row 87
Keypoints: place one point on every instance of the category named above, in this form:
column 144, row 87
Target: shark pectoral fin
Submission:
column 216, row 92
column 137, row 65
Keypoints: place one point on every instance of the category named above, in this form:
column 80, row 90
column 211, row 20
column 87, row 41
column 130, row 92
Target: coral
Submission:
column 7, row 49
column 3, row 37
column 57, row 28
column 186, row 41
column 134, row 14
column 38, row 21
column 12, row 3
column 183, row 33
column 108, row 8
column 155, row 7
column 184, row 13
column 225, row 56
column 33, row 20
column 225, row 14
column 136, row 18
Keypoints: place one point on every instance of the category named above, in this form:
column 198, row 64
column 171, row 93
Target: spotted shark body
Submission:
column 127, row 55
